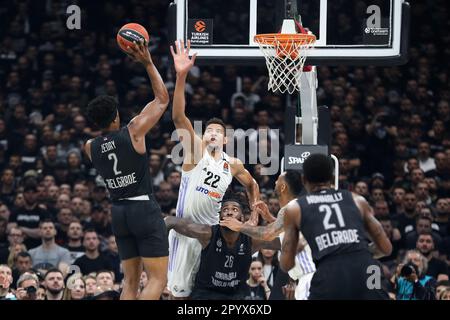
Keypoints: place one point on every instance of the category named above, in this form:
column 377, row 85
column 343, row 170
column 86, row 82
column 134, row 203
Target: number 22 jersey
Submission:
column 202, row 189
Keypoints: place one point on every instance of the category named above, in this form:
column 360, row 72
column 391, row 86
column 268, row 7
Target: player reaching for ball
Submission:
column 206, row 174
column 119, row 155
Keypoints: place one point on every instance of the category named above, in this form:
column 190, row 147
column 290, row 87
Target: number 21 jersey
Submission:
column 332, row 223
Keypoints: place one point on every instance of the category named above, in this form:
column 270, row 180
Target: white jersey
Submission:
column 202, row 189
column 303, row 271
column 200, row 196
column 304, row 263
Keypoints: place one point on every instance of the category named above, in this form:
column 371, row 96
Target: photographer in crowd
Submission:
column 27, row 287
column 410, row 280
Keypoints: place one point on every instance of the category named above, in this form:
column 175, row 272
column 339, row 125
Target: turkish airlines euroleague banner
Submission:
column 200, row 31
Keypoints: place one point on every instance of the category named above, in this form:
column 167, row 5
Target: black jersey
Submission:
column 126, row 172
column 332, row 223
column 224, row 269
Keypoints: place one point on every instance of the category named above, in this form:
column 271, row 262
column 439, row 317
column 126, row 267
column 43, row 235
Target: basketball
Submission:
column 287, row 48
column 129, row 33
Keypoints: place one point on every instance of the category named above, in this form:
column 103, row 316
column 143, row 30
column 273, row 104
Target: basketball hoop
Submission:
column 285, row 55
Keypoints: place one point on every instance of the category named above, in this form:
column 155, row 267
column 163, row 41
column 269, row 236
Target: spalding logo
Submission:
column 131, row 35
column 303, row 157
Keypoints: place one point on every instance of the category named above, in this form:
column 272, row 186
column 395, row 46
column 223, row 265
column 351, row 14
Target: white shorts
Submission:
column 303, row 286
column 184, row 261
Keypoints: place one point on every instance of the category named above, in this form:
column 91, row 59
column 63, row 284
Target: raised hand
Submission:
column 183, row 63
column 263, row 210
column 139, row 52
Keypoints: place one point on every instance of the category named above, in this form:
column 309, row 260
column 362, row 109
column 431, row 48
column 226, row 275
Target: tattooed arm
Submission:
column 290, row 241
column 265, row 233
column 261, row 244
column 186, row 227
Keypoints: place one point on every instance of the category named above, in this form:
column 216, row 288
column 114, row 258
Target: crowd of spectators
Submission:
column 389, row 124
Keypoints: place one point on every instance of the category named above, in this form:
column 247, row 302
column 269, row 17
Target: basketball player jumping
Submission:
column 287, row 187
column 226, row 255
column 119, row 155
column 334, row 223
column 206, row 174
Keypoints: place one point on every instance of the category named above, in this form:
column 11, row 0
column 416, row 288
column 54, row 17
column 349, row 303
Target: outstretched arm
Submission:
column 373, row 226
column 152, row 112
column 251, row 187
column 192, row 145
column 186, row 227
column 265, row 233
column 290, row 241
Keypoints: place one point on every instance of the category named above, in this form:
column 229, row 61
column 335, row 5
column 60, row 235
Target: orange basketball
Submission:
column 129, row 33
column 287, row 48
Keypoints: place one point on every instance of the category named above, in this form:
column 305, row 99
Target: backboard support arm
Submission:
column 308, row 103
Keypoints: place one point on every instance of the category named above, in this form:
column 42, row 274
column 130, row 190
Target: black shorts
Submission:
column 281, row 279
column 347, row 277
column 139, row 229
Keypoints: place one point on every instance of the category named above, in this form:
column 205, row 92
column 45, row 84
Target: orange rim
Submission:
column 298, row 38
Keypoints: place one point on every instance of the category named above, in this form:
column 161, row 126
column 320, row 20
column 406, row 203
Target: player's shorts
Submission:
column 303, row 286
column 281, row 279
column 139, row 229
column 346, row 277
column 184, row 262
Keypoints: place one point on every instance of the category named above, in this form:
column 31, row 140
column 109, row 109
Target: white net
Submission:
column 285, row 56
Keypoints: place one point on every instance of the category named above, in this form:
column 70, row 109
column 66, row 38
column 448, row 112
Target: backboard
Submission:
column 352, row 32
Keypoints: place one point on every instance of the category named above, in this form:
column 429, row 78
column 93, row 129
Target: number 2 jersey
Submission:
column 332, row 223
column 126, row 173
column 202, row 189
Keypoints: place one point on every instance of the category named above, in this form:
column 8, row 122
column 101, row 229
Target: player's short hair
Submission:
column 102, row 110
column 293, row 179
column 318, row 168
column 239, row 198
column 216, row 121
